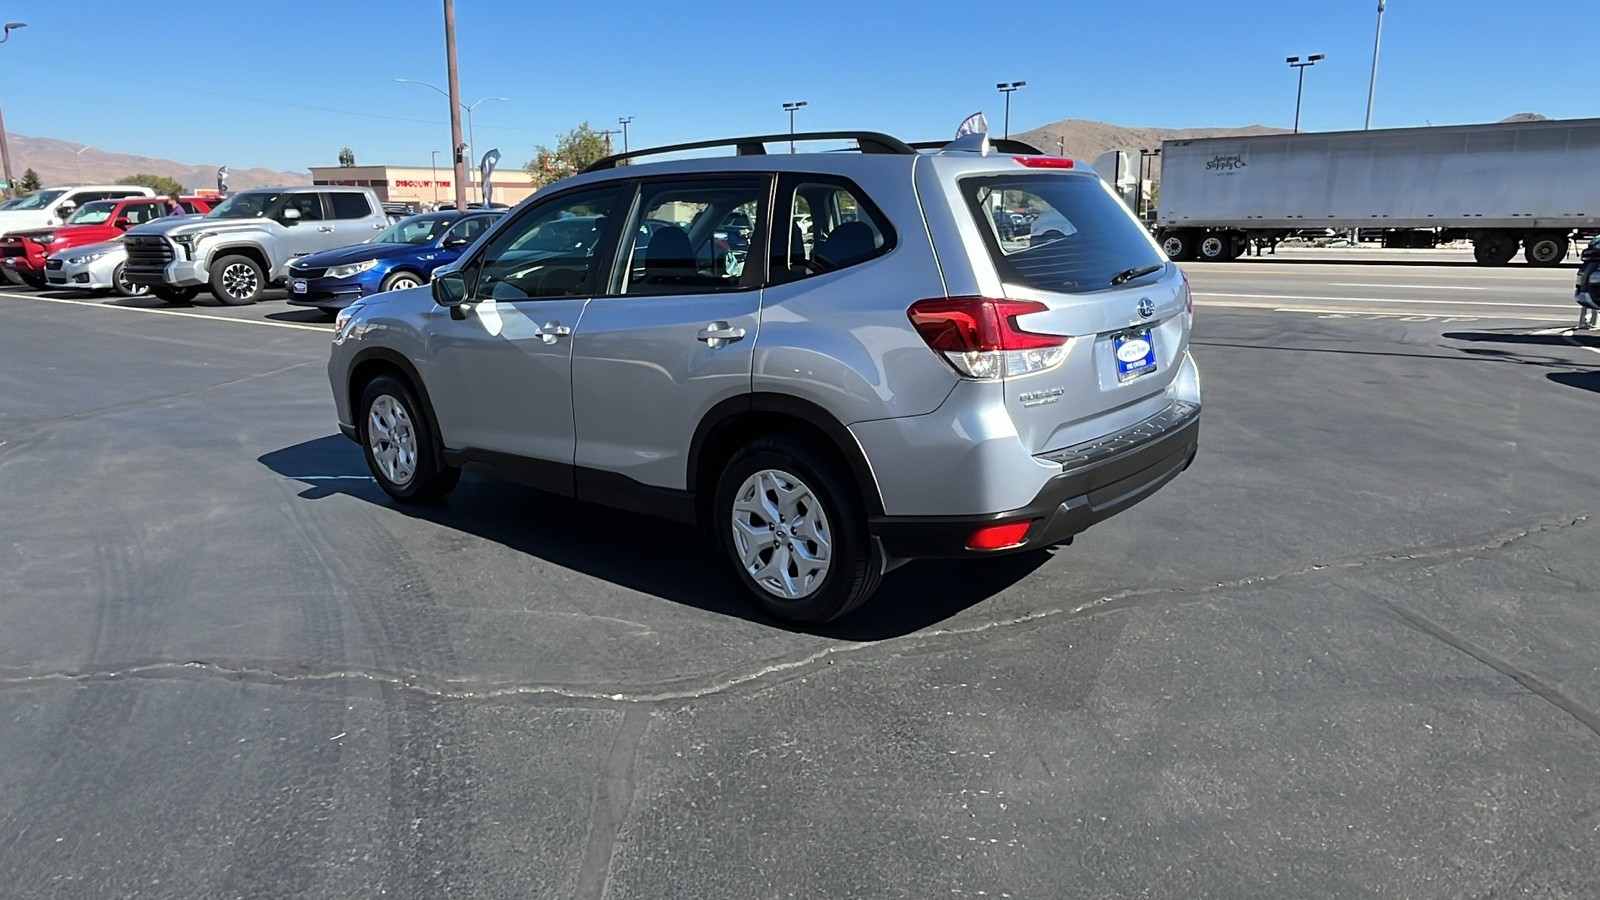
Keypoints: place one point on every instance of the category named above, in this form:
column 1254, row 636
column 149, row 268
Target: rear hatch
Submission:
column 1076, row 263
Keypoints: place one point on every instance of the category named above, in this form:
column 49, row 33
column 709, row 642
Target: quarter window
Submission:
column 350, row 205
column 829, row 225
column 694, row 237
column 551, row 251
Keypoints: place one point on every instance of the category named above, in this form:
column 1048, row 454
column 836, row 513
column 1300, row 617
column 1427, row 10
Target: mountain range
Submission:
column 56, row 163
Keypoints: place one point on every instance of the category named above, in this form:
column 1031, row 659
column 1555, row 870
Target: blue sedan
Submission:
column 403, row 255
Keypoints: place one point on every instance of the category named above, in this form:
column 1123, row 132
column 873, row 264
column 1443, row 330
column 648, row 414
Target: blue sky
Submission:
column 285, row 84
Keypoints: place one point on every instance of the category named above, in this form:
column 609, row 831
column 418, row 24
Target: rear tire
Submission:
column 1214, row 246
column 1178, row 244
column 817, row 562
column 124, row 287
column 175, row 294
column 1546, row 249
column 1494, row 249
column 237, row 280
column 399, row 443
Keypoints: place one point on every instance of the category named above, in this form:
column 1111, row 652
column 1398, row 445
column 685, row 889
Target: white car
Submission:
column 92, row 267
column 51, row 206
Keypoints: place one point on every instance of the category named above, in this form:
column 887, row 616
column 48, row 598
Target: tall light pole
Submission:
column 624, row 121
column 472, row 133
column 1009, row 88
column 455, row 103
column 433, row 164
column 1294, row 62
column 5, row 148
column 1373, row 81
column 791, row 107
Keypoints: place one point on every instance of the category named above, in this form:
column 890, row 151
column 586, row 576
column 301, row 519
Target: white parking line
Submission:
column 174, row 312
column 1202, row 295
column 1408, row 287
column 1420, row 316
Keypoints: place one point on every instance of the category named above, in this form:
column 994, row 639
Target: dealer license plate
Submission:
column 1135, row 352
column 298, row 285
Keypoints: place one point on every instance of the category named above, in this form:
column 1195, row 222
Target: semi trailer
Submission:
column 1532, row 186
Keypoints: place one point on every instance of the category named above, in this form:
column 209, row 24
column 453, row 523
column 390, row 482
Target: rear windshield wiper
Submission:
column 1127, row 275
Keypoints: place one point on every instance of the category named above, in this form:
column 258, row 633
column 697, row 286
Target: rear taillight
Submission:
column 995, row 537
column 1044, row 162
column 980, row 337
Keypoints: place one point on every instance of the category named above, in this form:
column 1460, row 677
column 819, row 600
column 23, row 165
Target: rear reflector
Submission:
column 980, row 336
column 1044, row 162
column 993, row 537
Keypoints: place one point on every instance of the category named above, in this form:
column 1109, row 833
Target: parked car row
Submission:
column 328, row 246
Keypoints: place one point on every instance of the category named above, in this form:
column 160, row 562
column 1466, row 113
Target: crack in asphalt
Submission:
column 299, row 674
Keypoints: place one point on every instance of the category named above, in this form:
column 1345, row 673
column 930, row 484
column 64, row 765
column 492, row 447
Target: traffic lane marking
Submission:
column 1409, row 287
column 1201, row 295
column 1403, row 316
column 326, row 329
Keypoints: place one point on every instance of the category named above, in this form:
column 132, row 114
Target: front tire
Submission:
column 237, row 280
column 176, row 294
column 33, row 280
column 791, row 524
column 399, row 443
column 399, row 281
column 124, row 287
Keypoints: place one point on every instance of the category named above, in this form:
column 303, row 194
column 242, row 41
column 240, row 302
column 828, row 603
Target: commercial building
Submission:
column 425, row 185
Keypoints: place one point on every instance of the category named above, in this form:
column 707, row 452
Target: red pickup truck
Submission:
column 23, row 252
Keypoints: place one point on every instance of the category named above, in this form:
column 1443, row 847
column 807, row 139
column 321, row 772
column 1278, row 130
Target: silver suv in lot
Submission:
column 245, row 244
column 832, row 362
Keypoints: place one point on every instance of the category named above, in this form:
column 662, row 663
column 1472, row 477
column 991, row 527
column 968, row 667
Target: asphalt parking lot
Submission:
column 1353, row 652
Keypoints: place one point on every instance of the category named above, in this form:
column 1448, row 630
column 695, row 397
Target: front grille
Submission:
column 307, row 273
column 52, row 264
column 147, row 252
column 13, row 248
column 1175, row 415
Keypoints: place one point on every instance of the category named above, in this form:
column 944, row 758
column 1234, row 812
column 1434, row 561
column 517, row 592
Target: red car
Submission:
column 23, row 252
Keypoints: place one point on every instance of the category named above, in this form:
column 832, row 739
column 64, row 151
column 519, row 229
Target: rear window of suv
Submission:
column 1061, row 233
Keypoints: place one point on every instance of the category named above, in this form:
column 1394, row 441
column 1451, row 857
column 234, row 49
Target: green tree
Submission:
column 29, row 182
column 347, row 157
column 160, row 183
column 574, row 150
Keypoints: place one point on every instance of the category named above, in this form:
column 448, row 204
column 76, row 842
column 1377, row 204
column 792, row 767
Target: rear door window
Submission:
column 1063, row 233
column 350, row 205
column 825, row 224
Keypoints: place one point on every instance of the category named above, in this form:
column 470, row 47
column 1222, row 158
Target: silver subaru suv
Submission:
column 832, row 362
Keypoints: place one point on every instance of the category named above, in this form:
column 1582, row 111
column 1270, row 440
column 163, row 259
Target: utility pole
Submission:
column 1372, row 83
column 623, row 121
column 1009, row 88
column 607, row 133
column 5, row 148
column 456, row 146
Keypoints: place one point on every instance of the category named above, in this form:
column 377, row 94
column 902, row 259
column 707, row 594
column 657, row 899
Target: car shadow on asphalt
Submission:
column 670, row 560
column 1587, row 381
column 1520, row 347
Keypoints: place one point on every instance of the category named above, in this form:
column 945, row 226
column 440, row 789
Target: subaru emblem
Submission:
column 1147, row 307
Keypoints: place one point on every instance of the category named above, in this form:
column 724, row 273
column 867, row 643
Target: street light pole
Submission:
column 791, row 107
column 5, row 148
column 623, row 121
column 455, row 104
column 1372, row 83
column 472, row 133
column 433, row 164
column 1009, row 88
column 1294, row 61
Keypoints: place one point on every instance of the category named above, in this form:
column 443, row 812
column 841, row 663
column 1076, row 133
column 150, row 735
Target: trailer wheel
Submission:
column 1493, row 248
column 1546, row 249
column 1214, row 246
column 1178, row 244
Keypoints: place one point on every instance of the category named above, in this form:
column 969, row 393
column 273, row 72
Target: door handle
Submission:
column 325, row 228
column 553, row 330
column 718, row 334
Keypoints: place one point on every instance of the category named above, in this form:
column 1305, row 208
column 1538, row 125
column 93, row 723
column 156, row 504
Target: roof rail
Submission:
column 866, row 142
column 998, row 145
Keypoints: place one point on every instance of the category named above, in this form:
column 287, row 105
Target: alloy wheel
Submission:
column 781, row 534
column 392, row 440
column 240, row 281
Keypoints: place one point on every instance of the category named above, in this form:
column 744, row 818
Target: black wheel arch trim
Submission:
column 398, row 360
column 731, row 410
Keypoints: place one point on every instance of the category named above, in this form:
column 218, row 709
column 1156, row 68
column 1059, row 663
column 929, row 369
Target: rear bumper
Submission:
column 1098, row 479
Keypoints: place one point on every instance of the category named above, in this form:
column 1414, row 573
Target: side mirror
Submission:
column 66, row 209
column 450, row 290
column 120, row 222
column 291, row 216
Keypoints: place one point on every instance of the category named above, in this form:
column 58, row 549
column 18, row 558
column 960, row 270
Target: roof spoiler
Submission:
column 980, row 143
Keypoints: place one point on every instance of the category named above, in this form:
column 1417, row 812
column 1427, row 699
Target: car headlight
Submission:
column 45, row 238
column 87, row 258
column 352, row 269
column 344, row 322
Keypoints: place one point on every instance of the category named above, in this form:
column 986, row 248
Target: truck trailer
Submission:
column 1533, row 186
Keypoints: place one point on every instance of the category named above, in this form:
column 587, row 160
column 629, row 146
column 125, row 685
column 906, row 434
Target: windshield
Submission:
column 39, row 200
column 248, row 205
column 93, row 213
column 415, row 230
